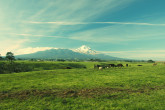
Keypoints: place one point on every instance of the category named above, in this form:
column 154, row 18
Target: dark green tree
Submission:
column 1, row 57
column 151, row 61
column 61, row 60
column 10, row 56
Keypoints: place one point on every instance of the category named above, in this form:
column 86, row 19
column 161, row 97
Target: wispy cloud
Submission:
column 31, row 35
column 77, row 10
column 135, row 51
column 60, row 23
column 11, row 45
column 79, row 23
column 68, row 23
column 130, row 23
column 120, row 33
column 29, row 50
column 137, row 54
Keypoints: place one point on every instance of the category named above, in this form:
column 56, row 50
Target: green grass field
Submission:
column 127, row 88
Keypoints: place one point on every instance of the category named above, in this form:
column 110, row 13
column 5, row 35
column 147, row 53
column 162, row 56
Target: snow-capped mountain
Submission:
column 85, row 50
column 82, row 53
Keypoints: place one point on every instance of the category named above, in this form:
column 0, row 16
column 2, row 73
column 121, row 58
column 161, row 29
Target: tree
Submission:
column 10, row 56
column 151, row 61
column 1, row 57
column 61, row 60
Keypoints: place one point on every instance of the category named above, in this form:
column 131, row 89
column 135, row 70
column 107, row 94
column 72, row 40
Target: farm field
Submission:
column 47, row 88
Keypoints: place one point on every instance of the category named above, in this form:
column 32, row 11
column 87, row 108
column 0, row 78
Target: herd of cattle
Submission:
column 108, row 66
column 113, row 65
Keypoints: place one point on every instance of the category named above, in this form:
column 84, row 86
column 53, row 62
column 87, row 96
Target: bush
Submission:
column 151, row 61
column 15, row 67
column 7, row 67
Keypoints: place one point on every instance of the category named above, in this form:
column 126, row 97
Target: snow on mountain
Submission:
column 82, row 53
column 85, row 50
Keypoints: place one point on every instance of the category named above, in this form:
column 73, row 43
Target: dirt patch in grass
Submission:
column 87, row 93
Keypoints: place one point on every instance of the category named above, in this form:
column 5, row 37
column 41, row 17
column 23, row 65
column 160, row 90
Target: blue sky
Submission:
column 121, row 28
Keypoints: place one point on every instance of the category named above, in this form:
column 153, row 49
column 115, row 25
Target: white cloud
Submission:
column 78, row 23
column 66, row 11
column 135, row 51
column 138, row 54
column 31, row 35
column 130, row 23
column 120, row 33
column 77, row 10
column 60, row 23
column 10, row 45
column 147, row 56
column 72, row 12
column 29, row 50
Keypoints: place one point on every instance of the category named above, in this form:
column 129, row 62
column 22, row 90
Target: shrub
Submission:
column 14, row 67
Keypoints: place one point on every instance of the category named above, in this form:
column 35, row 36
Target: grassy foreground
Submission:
column 128, row 88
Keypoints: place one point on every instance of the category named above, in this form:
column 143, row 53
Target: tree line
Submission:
column 11, row 66
column 9, row 56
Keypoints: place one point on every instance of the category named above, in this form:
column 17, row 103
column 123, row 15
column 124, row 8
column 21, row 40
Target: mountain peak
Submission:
column 86, row 50
column 84, row 47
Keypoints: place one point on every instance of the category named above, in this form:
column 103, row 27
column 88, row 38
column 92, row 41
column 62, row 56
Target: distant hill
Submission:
column 82, row 53
column 55, row 54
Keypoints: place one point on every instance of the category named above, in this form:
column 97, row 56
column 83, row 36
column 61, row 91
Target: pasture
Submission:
column 48, row 88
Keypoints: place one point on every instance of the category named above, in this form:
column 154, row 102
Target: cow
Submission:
column 68, row 68
column 139, row 65
column 154, row 64
column 126, row 65
column 100, row 68
column 120, row 65
column 96, row 66
column 111, row 65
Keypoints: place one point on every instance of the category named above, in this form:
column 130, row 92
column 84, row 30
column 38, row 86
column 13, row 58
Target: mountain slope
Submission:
column 82, row 53
column 107, row 57
column 55, row 54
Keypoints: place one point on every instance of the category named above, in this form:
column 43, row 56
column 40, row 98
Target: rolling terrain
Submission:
column 127, row 88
